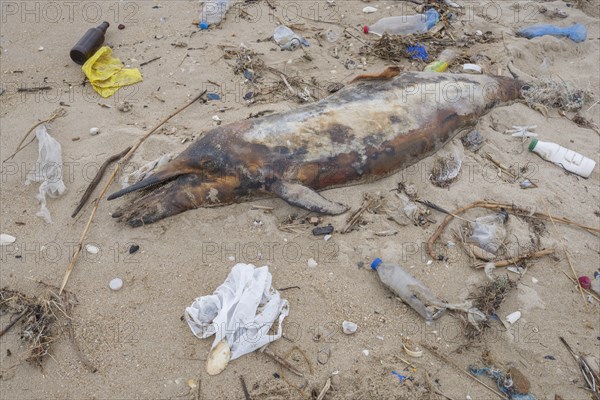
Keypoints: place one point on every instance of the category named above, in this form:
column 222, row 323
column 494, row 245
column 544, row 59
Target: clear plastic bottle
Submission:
column 442, row 63
column 404, row 24
column 407, row 287
column 213, row 12
column 568, row 159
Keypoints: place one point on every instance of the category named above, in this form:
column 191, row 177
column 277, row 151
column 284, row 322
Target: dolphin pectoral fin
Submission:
column 184, row 193
column 304, row 197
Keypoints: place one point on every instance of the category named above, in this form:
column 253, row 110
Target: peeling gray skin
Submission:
column 361, row 133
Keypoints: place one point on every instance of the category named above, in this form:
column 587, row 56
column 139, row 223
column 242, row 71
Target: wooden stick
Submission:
column 588, row 291
column 123, row 160
column 281, row 361
column 511, row 261
column 445, row 359
column 245, row 389
column 61, row 112
column 566, row 252
column 325, row 389
column 12, row 323
column 96, row 180
column 498, row 206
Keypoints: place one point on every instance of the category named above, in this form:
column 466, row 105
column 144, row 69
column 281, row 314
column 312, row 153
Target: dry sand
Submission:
column 136, row 337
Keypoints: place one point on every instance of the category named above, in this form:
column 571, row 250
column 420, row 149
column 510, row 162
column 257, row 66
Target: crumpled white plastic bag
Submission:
column 48, row 170
column 241, row 310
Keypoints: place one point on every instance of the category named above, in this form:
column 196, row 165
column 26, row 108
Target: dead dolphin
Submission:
column 361, row 133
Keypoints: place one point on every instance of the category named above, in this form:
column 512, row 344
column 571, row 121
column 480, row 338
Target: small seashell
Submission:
column 513, row 317
column 349, row 327
column 40, row 48
column 365, row 352
column 312, row 263
column 6, row 239
column 218, row 358
column 369, row 10
column 92, row 249
column 192, row 384
column 94, row 131
column 534, row 280
column 327, row 237
column 116, row 284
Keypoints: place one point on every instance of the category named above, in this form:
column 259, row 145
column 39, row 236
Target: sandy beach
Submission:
column 136, row 338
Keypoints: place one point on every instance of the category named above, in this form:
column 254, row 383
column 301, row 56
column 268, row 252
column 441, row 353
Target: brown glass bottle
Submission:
column 89, row 43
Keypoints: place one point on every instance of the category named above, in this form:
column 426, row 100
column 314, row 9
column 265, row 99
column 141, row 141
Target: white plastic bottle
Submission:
column 404, row 24
column 213, row 12
column 568, row 159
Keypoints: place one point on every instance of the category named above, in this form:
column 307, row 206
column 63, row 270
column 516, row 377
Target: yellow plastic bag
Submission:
column 107, row 74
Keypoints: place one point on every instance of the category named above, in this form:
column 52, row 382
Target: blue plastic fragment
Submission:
column 576, row 32
column 213, row 96
column 401, row 377
column 417, row 52
column 203, row 25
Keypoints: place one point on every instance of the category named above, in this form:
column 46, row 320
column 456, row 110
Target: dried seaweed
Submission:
column 39, row 318
column 488, row 299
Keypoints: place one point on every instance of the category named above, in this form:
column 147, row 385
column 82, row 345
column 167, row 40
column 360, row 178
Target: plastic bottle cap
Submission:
column 365, row 29
column 203, row 25
column 376, row 263
column 533, row 143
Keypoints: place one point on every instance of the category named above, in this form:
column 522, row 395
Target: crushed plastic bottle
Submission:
column 287, row 38
column 442, row 63
column 489, row 232
column 404, row 24
column 414, row 293
column 213, row 12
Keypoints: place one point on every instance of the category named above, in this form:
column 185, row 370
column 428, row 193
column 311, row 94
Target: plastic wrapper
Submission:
column 48, row 170
column 241, row 311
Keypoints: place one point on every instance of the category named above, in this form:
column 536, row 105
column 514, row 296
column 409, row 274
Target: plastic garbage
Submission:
column 48, row 170
column 443, row 61
column 414, row 293
column 213, row 12
column 404, row 24
column 107, row 73
column 576, row 32
column 568, row 159
column 287, row 38
column 417, row 52
column 89, row 43
column 239, row 313
column 489, row 232
column 145, row 171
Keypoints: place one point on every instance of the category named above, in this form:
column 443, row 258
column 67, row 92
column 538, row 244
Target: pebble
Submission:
column 133, row 248
column 327, row 237
column 6, row 239
column 124, row 106
column 121, row 27
column 369, row 10
column 312, row 263
column 40, row 48
column 322, row 230
column 365, row 352
column 116, row 284
column 92, row 249
column 94, row 131
column 349, row 327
